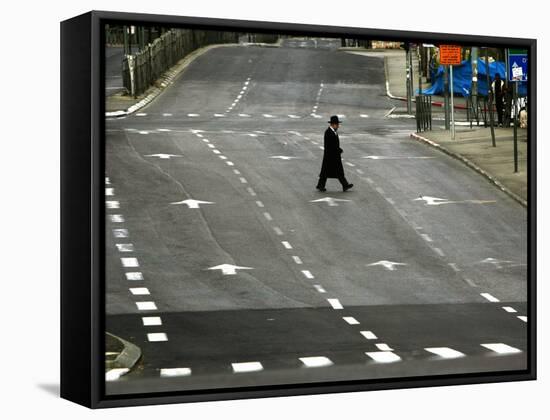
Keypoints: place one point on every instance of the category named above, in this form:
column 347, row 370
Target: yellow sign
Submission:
column 450, row 54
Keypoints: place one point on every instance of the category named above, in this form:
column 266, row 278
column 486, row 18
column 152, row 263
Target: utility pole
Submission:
column 125, row 34
column 490, row 97
column 473, row 59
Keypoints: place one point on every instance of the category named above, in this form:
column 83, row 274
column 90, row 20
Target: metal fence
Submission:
column 423, row 113
column 141, row 70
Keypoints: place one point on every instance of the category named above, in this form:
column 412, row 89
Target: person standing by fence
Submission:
column 499, row 90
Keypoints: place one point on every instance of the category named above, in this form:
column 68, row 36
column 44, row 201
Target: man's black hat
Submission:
column 334, row 120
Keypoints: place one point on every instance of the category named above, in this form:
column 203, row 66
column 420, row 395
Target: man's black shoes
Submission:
column 347, row 187
column 322, row 189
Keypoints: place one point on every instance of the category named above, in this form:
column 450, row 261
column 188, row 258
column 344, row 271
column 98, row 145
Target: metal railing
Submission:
column 423, row 113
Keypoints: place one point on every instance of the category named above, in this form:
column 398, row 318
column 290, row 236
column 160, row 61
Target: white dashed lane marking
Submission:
column 350, row 320
column 146, row 306
column 268, row 216
column 369, row 335
column 278, row 231
column 139, row 291
column 155, row 337
column 509, row 309
column 445, row 352
column 109, row 191
column 125, row 247
column 129, row 262
column 383, row 356
column 251, row 192
column 308, row 274
column 335, row 303
column 175, row 372
column 501, row 348
column 319, row 288
column 383, row 347
column 523, row 318
column 243, row 180
column 286, row 245
column 489, row 297
column 151, row 321
column 120, row 233
column 134, row 276
column 318, row 361
column 236, row 172
column 259, row 204
column 297, row 259
column 112, row 204
column 246, row 367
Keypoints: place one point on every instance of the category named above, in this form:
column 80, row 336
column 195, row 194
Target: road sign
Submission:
column 450, row 54
column 517, row 66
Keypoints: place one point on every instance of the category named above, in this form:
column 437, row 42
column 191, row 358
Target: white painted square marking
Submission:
column 109, row 191
column 120, row 233
column 246, row 367
column 369, row 335
column 319, row 288
column 155, row 337
column 175, row 372
column 308, row 274
column 151, row 321
column 383, row 356
column 509, row 309
column 268, row 216
column 313, row 362
column 523, row 318
column 259, row 204
column 445, row 352
column 297, row 259
column 112, row 204
column 134, row 276
column 286, row 245
column 139, row 291
column 501, row 348
column 335, row 303
column 489, row 297
column 146, row 306
column 129, row 262
column 125, row 247
column 384, row 347
column 350, row 320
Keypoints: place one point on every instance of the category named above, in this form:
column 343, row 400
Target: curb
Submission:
column 473, row 166
column 126, row 359
column 170, row 76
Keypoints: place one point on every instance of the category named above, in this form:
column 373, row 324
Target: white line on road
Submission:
column 335, row 303
column 470, row 282
column 278, row 231
column 389, row 200
column 380, row 190
column 139, row 291
column 454, row 267
column 115, row 374
column 229, row 163
column 426, row 237
column 286, row 245
column 251, row 192
column 383, row 347
column 308, row 274
column 445, row 352
column 439, row 252
column 260, row 204
column 193, row 115
column 489, row 297
column 369, row 335
column 129, row 262
column 155, row 337
column 359, row 171
column 216, row 151
column 383, row 356
column 318, row 361
column 125, row 247
column 112, row 204
column 134, row 276
column 370, row 181
column 246, row 367
column 211, row 146
column 243, row 180
column 236, row 172
column 349, row 164
column 222, row 157
column 206, row 141
column 151, row 321
column 268, row 216
column 120, row 233
column 175, row 372
column 146, row 306
column 319, row 288
column 350, row 320
column 523, row 318
column 501, row 348
column 109, row 191
column 297, row 259
column 509, row 309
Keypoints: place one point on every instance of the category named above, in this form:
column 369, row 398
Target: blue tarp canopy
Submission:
column 462, row 78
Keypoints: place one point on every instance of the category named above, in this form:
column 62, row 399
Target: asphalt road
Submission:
column 420, row 269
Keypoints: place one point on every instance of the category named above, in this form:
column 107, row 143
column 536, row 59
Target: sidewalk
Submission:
column 473, row 147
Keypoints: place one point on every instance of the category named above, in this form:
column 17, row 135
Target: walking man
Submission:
column 332, row 161
column 499, row 91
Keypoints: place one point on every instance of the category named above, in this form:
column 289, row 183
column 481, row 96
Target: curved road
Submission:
column 420, row 269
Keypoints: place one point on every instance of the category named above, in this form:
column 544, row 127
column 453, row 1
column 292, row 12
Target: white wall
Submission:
column 29, row 145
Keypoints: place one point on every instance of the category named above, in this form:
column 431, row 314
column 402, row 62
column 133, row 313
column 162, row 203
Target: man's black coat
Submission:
column 332, row 161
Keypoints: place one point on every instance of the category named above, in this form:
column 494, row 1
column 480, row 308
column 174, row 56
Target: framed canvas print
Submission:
column 255, row 209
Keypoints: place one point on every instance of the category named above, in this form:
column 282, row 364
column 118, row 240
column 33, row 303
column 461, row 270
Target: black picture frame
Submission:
column 83, row 213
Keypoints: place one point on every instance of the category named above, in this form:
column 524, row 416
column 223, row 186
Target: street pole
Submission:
column 446, row 93
column 490, row 97
column 452, row 105
column 411, row 86
column 473, row 58
column 515, row 102
column 409, row 100
column 125, row 34
column 420, row 70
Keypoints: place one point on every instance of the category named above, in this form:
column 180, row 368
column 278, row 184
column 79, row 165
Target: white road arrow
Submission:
column 434, row 201
column 388, row 265
column 163, row 155
column 193, row 204
column 229, row 269
column 331, row 201
column 283, row 157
